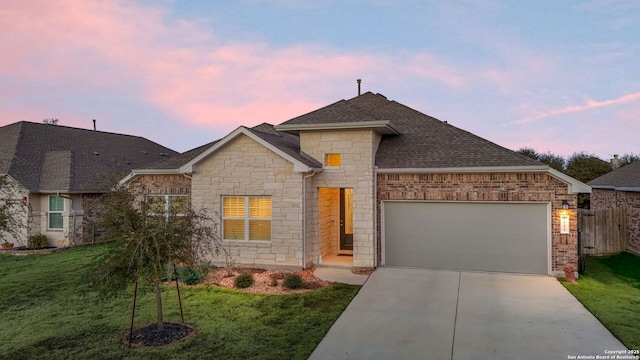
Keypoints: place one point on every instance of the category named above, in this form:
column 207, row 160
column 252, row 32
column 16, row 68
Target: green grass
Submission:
column 610, row 289
column 47, row 311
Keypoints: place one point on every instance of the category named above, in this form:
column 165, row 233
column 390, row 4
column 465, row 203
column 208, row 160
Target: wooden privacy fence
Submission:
column 602, row 231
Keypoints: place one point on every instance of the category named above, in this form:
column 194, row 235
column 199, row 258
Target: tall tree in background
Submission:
column 586, row 167
column 554, row 161
column 627, row 159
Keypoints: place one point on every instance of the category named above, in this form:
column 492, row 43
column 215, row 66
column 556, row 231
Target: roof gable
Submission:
column 284, row 145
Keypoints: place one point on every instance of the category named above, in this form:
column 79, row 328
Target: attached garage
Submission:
column 496, row 236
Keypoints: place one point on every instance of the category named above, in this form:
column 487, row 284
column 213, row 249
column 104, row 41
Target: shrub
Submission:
column 243, row 281
column 293, row 281
column 38, row 241
column 191, row 276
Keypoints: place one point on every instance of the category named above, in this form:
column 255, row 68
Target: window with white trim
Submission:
column 56, row 208
column 246, row 218
column 167, row 204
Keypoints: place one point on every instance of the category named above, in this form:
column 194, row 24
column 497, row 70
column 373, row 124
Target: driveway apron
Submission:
column 406, row 313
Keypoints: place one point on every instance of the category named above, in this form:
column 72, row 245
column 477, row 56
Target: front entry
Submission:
column 335, row 225
column 346, row 219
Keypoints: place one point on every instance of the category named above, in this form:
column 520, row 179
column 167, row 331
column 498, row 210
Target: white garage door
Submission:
column 467, row 236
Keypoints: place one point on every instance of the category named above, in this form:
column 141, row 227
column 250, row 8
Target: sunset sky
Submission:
column 559, row 76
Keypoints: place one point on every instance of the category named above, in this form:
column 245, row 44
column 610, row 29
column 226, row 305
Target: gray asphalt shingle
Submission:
column 625, row 177
column 424, row 141
column 53, row 157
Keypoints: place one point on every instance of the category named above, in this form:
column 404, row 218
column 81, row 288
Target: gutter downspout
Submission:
column 304, row 217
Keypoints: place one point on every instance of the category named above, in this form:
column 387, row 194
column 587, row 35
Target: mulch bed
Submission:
column 151, row 336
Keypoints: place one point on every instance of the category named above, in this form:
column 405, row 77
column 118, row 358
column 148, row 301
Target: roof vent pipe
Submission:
column 359, row 81
column 94, row 124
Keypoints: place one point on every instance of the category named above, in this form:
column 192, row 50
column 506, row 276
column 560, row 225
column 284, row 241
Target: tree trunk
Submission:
column 156, row 284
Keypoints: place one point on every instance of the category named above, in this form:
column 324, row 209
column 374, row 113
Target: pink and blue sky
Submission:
column 559, row 76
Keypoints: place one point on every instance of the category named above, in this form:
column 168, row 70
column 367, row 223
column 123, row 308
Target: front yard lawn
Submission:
column 610, row 289
column 48, row 311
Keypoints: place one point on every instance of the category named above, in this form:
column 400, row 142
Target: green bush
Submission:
column 191, row 276
column 38, row 241
column 187, row 274
column 293, row 281
column 243, row 281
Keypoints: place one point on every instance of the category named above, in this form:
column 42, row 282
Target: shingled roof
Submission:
column 45, row 158
column 423, row 141
column 287, row 143
column 626, row 178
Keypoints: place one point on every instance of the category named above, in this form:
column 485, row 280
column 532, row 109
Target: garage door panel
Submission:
column 470, row 236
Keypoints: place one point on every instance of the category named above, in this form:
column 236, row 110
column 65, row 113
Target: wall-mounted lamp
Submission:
column 25, row 201
column 565, row 205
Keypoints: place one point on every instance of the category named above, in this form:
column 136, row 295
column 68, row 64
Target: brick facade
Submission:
column 602, row 199
column 502, row 187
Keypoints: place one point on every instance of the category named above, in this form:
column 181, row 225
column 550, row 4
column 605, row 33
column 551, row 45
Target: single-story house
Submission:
column 53, row 170
column 370, row 182
column 621, row 189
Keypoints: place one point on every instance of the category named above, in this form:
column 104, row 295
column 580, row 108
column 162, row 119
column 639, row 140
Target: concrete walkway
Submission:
column 436, row 314
column 340, row 275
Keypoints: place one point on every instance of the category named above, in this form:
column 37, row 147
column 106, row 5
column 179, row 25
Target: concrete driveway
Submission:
column 403, row 313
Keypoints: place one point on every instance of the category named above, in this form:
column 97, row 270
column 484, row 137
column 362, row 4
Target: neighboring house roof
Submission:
column 55, row 158
column 626, row 178
column 422, row 141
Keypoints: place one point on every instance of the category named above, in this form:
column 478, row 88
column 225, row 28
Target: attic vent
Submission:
column 164, row 154
column 144, row 152
column 96, row 153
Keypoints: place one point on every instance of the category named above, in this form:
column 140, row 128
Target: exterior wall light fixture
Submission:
column 565, row 205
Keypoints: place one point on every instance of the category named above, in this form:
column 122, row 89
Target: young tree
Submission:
column 149, row 241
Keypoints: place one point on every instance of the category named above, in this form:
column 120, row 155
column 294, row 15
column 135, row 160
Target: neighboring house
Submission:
column 57, row 168
column 370, row 182
column 621, row 189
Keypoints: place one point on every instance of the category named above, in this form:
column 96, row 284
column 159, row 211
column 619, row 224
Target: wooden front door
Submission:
column 346, row 219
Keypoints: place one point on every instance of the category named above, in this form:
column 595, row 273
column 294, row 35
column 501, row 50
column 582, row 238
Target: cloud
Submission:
column 116, row 49
column 588, row 105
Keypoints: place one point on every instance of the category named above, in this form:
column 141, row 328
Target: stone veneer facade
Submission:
column 499, row 187
column 603, row 198
column 356, row 171
column 243, row 167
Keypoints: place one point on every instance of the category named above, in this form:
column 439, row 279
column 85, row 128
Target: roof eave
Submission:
column 574, row 186
column 476, row 169
column 383, row 127
column 617, row 188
